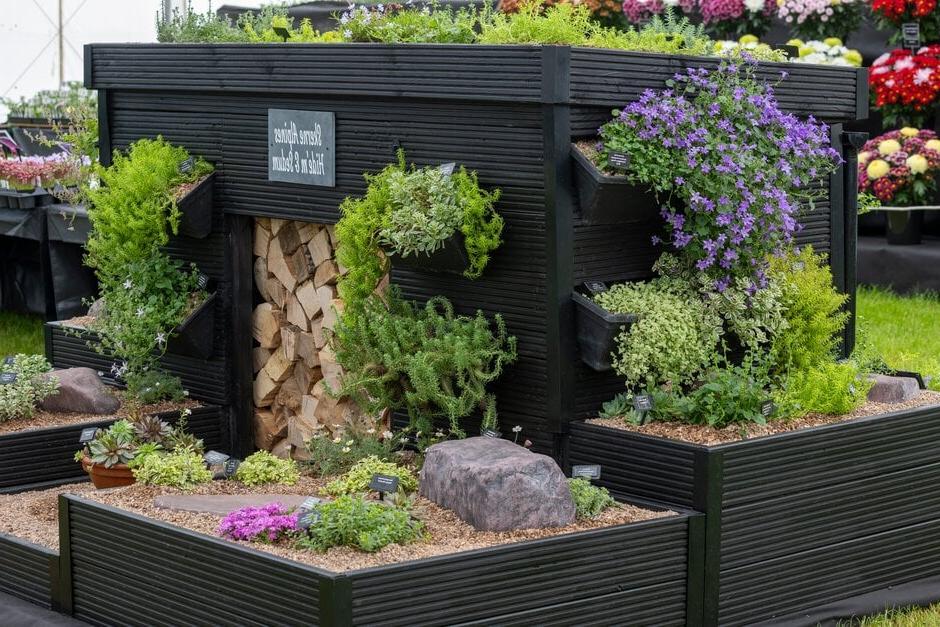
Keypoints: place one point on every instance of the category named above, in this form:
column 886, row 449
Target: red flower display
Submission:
column 905, row 84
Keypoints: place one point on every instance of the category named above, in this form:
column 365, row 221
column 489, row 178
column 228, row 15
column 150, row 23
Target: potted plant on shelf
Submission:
column 899, row 168
column 431, row 218
column 904, row 85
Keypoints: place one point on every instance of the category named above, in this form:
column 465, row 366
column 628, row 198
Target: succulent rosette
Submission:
column 639, row 11
column 732, row 18
column 829, row 51
column 818, row 19
column 904, row 84
column 900, row 167
column 890, row 14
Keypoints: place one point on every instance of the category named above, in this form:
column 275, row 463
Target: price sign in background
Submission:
column 301, row 147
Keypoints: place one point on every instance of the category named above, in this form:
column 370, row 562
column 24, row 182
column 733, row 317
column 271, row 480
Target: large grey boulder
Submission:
column 496, row 485
column 893, row 389
column 80, row 390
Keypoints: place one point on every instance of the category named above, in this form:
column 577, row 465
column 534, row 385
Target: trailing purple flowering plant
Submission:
column 269, row 523
column 730, row 167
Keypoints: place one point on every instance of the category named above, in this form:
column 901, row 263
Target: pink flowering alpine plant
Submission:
column 731, row 167
column 269, row 523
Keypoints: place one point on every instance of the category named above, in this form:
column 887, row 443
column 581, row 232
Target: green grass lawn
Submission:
column 912, row 617
column 904, row 330
column 20, row 334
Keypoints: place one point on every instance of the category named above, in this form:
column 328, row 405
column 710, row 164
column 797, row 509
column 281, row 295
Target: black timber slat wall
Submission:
column 26, row 570
column 169, row 576
column 818, row 515
column 640, row 572
column 502, row 110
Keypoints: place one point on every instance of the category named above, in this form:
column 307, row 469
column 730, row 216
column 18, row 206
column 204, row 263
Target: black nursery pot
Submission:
column 905, row 228
column 196, row 335
column 607, row 199
column 196, row 209
column 597, row 331
column 451, row 258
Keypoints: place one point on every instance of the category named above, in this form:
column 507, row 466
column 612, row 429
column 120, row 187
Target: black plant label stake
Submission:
column 594, row 287
column 383, row 484
column 215, row 458
column 231, row 467
column 643, row 403
column 591, row 472
column 7, row 378
column 910, row 34
column 767, row 409
column 447, row 168
column 619, row 161
column 87, row 435
column 9, row 360
column 308, row 515
column 187, row 166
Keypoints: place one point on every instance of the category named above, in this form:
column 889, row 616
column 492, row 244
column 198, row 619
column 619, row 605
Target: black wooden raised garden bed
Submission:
column 641, row 573
column 597, row 331
column 802, row 526
column 28, row 571
column 610, row 198
column 450, row 258
column 195, row 336
column 44, row 457
column 196, row 209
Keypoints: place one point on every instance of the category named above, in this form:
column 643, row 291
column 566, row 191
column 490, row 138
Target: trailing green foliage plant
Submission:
column 674, row 338
column 251, row 27
column 410, row 212
column 356, row 481
column 395, row 25
column 154, row 385
column 589, row 500
column 833, row 388
column 183, row 470
column 20, row 398
column 427, row 361
column 812, row 308
column 730, row 395
column 262, row 468
column 365, row 525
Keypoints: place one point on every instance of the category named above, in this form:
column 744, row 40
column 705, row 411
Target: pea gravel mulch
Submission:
column 697, row 434
column 32, row 516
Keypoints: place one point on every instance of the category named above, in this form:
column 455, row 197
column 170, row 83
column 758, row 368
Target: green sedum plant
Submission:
column 357, row 480
column 674, row 338
column 20, row 398
column 589, row 500
column 184, row 470
column 410, row 212
column 262, row 468
column 355, row 522
column 426, row 361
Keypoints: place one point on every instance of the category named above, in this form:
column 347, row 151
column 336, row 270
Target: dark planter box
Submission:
column 67, row 347
column 642, row 571
column 905, row 228
column 815, row 524
column 196, row 335
column 597, row 331
column 196, row 209
column 28, row 200
column 450, row 258
column 45, row 457
column 610, row 199
column 28, row 571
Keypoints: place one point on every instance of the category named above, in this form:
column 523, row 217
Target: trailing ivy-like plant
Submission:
column 426, row 361
column 412, row 211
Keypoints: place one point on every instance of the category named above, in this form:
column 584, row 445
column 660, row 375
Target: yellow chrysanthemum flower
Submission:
column 748, row 39
column 795, row 42
column 933, row 144
column 917, row 163
column 888, row 147
column 863, row 157
column 877, row 168
column 909, row 131
column 832, row 41
column 854, row 57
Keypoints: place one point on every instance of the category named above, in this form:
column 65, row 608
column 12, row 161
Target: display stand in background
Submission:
column 41, row 269
column 904, row 269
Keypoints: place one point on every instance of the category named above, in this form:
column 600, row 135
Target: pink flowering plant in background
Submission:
column 730, row 19
column 900, row 167
column 730, row 168
column 819, row 19
column 639, row 11
column 27, row 172
column 271, row 523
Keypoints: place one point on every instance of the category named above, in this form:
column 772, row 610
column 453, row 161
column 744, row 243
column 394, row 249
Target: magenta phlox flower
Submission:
column 269, row 523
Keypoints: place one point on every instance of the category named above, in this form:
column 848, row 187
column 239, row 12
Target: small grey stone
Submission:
column 97, row 308
column 893, row 389
column 80, row 390
column 496, row 485
column 224, row 504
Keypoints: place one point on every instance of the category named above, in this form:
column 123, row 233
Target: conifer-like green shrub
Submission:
column 834, row 388
column 425, row 360
column 410, row 212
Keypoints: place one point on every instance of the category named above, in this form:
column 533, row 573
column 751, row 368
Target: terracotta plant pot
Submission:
column 113, row 477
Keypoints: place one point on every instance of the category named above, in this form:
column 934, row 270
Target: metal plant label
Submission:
column 910, row 33
column 586, row 471
column 447, row 168
column 231, row 467
column 187, row 165
column 619, row 160
column 384, row 483
column 767, row 409
column 595, row 287
column 215, row 458
column 642, row 402
column 7, row 378
column 301, row 147
column 307, row 519
column 87, row 435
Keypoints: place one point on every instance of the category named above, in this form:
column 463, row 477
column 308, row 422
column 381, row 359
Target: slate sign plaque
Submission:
column 87, row 435
column 384, row 483
column 642, row 402
column 767, row 409
column 910, row 33
column 301, row 147
column 7, row 377
column 586, row 471
column 231, row 467
column 215, row 458
column 619, row 160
